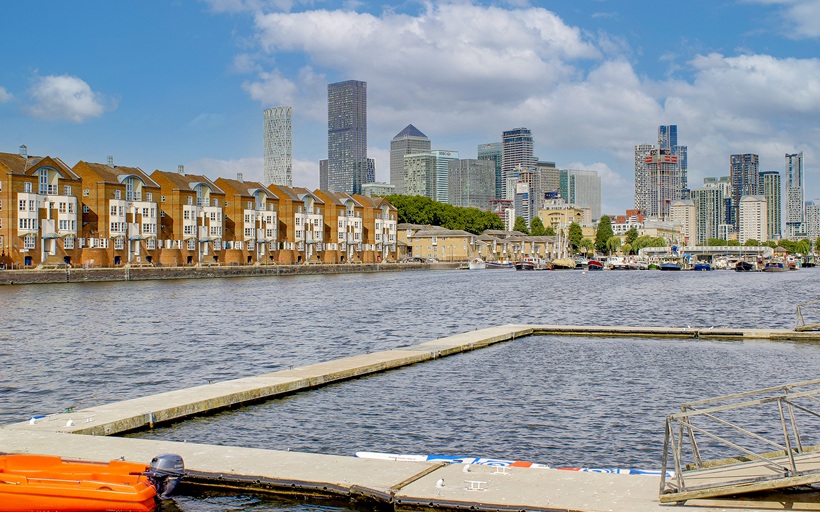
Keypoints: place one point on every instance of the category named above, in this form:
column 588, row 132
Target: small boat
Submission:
column 595, row 265
column 701, row 266
column 775, row 266
column 498, row 264
column 525, row 264
column 653, row 266
column 744, row 266
column 670, row 266
column 477, row 264
column 54, row 484
column 563, row 264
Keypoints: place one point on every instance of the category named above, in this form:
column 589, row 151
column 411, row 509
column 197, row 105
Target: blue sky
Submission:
column 162, row 83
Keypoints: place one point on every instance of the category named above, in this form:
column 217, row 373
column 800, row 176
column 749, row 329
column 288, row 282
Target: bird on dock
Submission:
column 440, row 482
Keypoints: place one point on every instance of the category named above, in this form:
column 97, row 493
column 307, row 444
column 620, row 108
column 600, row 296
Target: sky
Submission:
column 157, row 84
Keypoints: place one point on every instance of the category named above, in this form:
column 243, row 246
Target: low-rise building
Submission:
column 120, row 215
column 251, row 222
column 191, row 219
column 39, row 211
column 301, row 225
column 380, row 221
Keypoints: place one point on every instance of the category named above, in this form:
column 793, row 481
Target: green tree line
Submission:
column 423, row 210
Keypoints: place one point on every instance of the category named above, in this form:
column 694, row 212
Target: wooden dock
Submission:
column 402, row 485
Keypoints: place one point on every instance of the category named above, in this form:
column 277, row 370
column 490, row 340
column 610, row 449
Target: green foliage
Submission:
column 719, row 242
column 574, row 237
column 770, row 243
column 631, row 235
column 521, row 225
column 537, row 227
column 588, row 244
column 613, row 244
column 603, row 234
column 549, row 231
column 817, row 244
column 751, row 243
column 423, row 210
column 733, row 243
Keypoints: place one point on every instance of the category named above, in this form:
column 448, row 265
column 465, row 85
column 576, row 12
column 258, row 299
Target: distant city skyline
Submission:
column 583, row 75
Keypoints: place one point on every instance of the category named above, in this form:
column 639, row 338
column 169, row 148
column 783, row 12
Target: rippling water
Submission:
column 566, row 401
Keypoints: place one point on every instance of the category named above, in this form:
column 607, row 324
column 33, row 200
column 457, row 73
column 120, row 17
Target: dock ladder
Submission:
column 754, row 441
column 807, row 309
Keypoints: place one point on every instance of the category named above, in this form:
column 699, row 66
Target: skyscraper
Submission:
column 347, row 136
column 709, row 212
column 584, row 189
column 769, row 187
column 492, row 151
column 278, row 147
column 408, row 141
column 420, row 174
column 744, row 174
column 516, row 151
column 795, row 212
column 443, row 159
column 642, row 151
column 660, row 173
column 472, row 183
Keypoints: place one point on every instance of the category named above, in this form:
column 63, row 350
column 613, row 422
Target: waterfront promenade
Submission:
column 402, row 485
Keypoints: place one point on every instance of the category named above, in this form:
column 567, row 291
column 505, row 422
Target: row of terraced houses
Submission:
column 102, row 215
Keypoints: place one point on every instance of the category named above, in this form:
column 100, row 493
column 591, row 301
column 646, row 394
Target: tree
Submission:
column 751, row 243
column 423, row 210
column 627, row 248
column 603, row 233
column 613, row 244
column 632, row 235
column 550, row 231
column 521, row 225
column 587, row 245
column 716, row 242
column 537, row 227
column 574, row 236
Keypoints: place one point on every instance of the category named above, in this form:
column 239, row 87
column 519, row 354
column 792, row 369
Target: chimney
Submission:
column 110, row 160
column 23, row 151
column 239, row 177
column 181, row 169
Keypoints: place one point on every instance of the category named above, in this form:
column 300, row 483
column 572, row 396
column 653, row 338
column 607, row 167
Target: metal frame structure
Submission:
column 800, row 320
column 786, row 462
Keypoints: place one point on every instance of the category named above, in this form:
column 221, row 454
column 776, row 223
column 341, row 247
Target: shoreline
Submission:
column 147, row 273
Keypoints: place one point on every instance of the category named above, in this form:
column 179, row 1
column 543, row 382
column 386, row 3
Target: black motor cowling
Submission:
column 164, row 473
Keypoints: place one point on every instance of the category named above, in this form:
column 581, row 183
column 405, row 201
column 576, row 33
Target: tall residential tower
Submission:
column 347, row 164
column 516, row 152
column 278, row 147
column 795, row 209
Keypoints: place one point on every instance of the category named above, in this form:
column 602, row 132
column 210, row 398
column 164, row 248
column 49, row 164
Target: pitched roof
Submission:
column 410, row 131
column 110, row 174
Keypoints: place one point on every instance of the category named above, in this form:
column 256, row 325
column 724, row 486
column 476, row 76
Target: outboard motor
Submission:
column 164, row 473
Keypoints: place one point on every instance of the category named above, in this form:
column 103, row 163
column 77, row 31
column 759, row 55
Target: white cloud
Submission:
column 64, row 97
column 462, row 73
column 799, row 16
column 5, row 96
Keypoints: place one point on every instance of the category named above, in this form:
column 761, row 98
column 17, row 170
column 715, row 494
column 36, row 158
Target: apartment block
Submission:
column 344, row 228
column 191, row 219
column 39, row 211
column 251, row 222
column 380, row 240
column 120, row 215
column 301, row 225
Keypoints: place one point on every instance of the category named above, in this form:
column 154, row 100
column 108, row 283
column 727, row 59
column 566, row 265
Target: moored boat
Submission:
column 775, row 266
column 670, row 266
column 701, row 266
column 477, row 264
column 744, row 266
column 498, row 264
column 563, row 264
column 595, row 265
column 46, row 482
column 525, row 264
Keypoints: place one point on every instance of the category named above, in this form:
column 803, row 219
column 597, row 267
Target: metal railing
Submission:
column 766, row 429
column 805, row 309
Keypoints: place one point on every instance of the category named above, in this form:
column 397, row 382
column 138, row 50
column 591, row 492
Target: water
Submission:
column 566, row 401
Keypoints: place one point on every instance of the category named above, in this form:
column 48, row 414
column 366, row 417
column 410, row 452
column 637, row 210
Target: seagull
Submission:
column 440, row 483
column 466, row 468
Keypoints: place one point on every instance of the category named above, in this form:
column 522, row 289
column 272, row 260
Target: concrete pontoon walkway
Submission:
column 401, row 484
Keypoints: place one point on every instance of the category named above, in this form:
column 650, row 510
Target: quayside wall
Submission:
column 88, row 275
